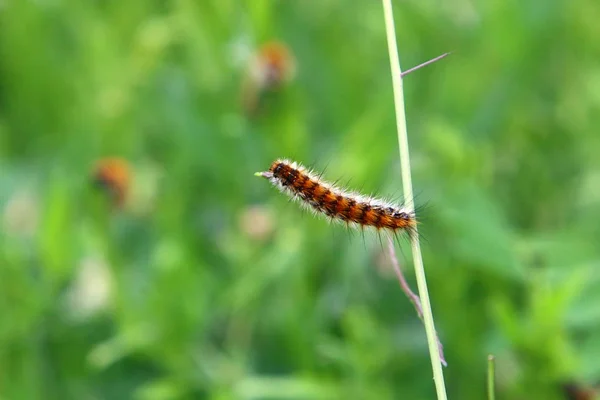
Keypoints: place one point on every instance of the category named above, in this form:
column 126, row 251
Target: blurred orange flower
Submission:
column 579, row 392
column 113, row 174
column 272, row 66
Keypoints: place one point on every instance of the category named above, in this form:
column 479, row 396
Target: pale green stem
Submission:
column 491, row 378
column 434, row 352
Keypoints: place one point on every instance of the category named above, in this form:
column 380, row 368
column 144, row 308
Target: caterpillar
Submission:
column 326, row 199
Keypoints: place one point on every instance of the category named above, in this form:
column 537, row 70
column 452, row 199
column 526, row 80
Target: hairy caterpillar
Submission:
column 325, row 198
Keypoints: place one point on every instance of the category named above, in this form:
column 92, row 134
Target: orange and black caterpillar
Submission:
column 325, row 198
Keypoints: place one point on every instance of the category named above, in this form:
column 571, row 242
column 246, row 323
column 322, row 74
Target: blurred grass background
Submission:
column 207, row 284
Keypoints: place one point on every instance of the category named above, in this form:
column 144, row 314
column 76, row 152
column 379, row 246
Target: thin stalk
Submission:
column 409, row 293
column 434, row 351
column 491, row 378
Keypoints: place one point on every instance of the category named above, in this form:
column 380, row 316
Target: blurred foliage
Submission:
column 207, row 284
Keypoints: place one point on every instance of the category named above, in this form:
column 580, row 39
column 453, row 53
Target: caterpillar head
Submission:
column 277, row 173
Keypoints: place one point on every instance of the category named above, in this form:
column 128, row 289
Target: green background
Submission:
column 210, row 285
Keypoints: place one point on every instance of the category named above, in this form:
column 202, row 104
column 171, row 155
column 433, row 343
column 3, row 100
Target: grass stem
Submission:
column 434, row 351
column 491, row 378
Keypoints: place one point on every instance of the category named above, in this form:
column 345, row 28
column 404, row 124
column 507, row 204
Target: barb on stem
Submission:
column 426, row 63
